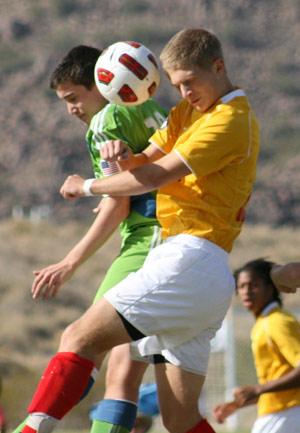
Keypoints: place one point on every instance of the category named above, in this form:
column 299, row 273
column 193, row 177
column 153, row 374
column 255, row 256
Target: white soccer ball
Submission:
column 127, row 73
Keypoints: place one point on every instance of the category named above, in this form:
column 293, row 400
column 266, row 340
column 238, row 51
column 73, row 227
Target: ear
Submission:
column 219, row 65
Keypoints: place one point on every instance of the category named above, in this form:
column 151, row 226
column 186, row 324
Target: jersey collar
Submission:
column 269, row 308
column 231, row 95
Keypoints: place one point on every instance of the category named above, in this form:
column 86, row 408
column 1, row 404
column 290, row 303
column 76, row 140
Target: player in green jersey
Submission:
column 73, row 81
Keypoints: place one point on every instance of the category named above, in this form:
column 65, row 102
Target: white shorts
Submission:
column 286, row 421
column 178, row 299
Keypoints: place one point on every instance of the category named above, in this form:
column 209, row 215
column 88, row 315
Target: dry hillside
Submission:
column 40, row 145
column 30, row 329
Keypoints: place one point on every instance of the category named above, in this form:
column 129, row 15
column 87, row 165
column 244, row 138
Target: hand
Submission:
column 224, row 410
column 48, row 280
column 72, row 188
column 115, row 150
column 97, row 209
column 286, row 289
column 284, row 282
column 246, row 394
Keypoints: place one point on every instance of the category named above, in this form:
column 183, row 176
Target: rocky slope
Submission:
column 40, row 144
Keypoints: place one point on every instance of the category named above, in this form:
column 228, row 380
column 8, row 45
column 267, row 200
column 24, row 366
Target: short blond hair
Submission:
column 191, row 47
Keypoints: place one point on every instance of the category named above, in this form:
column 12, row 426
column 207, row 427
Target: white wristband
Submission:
column 87, row 187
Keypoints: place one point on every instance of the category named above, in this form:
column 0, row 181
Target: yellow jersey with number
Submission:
column 220, row 147
column 276, row 350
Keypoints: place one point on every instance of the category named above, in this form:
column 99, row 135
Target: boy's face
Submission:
column 81, row 102
column 200, row 87
column 253, row 291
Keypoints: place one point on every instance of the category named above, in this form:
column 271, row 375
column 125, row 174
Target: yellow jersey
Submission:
column 276, row 350
column 221, row 148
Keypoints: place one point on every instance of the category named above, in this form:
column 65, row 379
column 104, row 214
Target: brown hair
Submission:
column 77, row 67
column 191, row 47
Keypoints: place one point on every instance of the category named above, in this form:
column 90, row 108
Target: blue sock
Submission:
column 118, row 413
column 92, row 379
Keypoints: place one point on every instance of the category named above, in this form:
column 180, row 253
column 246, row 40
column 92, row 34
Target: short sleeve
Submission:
column 223, row 139
column 285, row 333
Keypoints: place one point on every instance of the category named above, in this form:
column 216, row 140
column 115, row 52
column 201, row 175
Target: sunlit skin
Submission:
column 201, row 87
column 254, row 293
column 81, row 102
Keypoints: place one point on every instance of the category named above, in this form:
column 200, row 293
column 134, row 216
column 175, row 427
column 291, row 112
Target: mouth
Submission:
column 247, row 302
column 81, row 117
column 196, row 101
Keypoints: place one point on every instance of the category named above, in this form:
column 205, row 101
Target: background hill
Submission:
column 40, row 144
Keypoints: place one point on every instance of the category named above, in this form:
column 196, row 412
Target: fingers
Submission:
column 72, row 188
column 45, row 285
column 286, row 289
column 114, row 150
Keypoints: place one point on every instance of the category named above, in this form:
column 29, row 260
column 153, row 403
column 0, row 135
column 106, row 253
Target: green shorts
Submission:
column 135, row 248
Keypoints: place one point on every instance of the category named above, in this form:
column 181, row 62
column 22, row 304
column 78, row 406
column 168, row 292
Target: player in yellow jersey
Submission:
column 286, row 277
column 275, row 340
column 203, row 162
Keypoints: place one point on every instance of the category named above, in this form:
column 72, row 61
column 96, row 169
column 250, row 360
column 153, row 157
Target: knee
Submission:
column 175, row 423
column 128, row 375
column 170, row 425
column 70, row 340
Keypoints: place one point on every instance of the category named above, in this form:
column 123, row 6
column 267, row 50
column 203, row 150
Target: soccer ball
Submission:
column 127, row 73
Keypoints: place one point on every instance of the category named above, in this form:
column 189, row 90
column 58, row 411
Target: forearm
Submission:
column 111, row 214
column 288, row 381
column 146, row 178
column 136, row 161
column 126, row 183
column 287, row 275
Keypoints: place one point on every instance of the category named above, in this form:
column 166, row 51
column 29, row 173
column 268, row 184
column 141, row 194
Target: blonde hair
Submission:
column 191, row 47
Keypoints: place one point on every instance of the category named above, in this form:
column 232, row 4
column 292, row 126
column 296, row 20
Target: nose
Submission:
column 72, row 109
column 185, row 91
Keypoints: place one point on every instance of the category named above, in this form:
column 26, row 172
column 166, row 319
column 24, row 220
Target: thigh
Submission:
column 181, row 291
column 179, row 393
column 99, row 329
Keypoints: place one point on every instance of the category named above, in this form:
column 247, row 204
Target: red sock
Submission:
column 62, row 385
column 27, row 429
column 202, row 427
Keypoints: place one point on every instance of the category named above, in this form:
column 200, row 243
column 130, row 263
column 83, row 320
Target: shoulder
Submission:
column 281, row 320
column 110, row 116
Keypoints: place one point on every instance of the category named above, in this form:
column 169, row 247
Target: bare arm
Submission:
column 48, row 280
column 145, row 178
column 249, row 394
column 287, row 277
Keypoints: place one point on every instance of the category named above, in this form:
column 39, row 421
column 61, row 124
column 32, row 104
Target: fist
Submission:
column 72, row 187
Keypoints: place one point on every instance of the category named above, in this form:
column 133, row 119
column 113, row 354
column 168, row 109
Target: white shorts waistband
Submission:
column 196, row 242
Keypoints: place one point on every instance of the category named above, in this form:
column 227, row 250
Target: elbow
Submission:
column 150, row 177
column 293, row 269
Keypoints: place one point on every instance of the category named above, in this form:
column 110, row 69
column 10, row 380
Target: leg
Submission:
column 117, row 411
column 118, row 408
column 179, row 392
column 124, row 375
column 67, row 376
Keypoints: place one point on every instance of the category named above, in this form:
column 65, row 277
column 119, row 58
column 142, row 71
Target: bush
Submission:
column 12, row 60
column 64, row 8
column 135, row 7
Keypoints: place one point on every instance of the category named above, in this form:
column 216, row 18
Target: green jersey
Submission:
column 134, row 125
